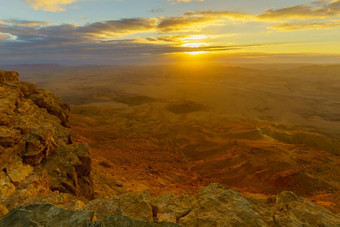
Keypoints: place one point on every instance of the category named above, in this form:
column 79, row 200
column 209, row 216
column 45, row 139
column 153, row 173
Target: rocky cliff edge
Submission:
column 37, row 156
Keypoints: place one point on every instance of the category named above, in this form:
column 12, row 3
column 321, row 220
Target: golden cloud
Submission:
column 3, row 36
column 185, row 24
column 221, row 14
column 25, row 23
column 305, row 26
column 50, row 5
column 324, row 9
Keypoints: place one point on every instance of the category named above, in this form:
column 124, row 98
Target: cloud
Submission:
column 103, row 52
column 305, row 26
column 197, row 20
column 69, row 43
column 3, row 36
column 167, row 38
column 157, row 10
column 324, row 9
column 107, row 29
column 184, row 24
column 221, row 14
column 68, row 33
column 24, row 23
column 50, row 5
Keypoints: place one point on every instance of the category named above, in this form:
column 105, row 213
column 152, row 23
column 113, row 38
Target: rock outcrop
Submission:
column 216, row 205
column 37, row 156
column 49, row 215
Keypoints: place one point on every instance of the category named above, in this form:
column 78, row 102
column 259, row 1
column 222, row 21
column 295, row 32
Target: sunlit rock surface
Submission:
column 214, row 205
column 37, row 157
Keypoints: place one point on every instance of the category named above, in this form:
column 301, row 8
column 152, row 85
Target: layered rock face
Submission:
column 36, row 153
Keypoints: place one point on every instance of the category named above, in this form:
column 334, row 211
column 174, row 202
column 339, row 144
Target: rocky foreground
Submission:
column 45, row 180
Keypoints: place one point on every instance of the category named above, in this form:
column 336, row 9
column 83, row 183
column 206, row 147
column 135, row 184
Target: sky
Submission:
column 169, row 31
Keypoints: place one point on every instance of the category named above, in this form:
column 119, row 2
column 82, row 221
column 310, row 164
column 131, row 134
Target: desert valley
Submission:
column 178, row 129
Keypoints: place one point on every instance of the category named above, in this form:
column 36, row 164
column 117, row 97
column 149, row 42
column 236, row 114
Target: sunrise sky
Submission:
column 160, row 31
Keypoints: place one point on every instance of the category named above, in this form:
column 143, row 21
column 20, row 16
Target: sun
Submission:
column 196, row 52
column 194, row 41
column 194, row 45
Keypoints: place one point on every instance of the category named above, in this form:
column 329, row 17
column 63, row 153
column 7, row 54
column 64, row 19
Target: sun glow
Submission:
column 196, row 52
column 194, row 41
column 195, row 37
column 194, row 44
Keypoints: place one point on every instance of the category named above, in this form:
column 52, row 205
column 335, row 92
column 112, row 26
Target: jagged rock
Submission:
column 70, row 168
column 54, row 105
column 118, row 220
column 170, row 208
column 45, row 215
column 3, row 210
column 36, row 152
column 291, row 210
column 49, row 215
column 7, row 188
column 214, row 205
column 136, row 207
column 8, row 77
column 130, row 205
column 9, row 137
column 218, row 206
column 104, row 207
column 17, row 171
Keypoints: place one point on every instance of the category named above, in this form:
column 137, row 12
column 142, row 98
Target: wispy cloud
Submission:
column 157, row 10
column 221, row 14
column 305, row 26
column 185, row 1
column 24, row 23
